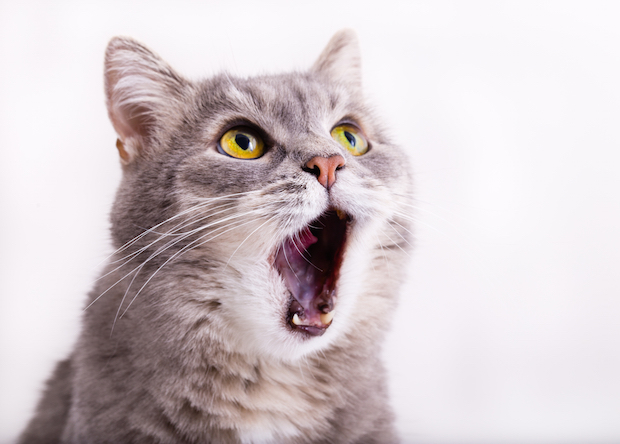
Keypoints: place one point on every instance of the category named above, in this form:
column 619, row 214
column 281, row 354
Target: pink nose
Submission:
column 325, row 168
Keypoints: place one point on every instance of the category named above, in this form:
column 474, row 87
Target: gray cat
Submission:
column 261, row 231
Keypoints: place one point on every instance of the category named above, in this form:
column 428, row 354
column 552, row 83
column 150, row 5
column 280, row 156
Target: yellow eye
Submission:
column 242, row 143
column 351, row 138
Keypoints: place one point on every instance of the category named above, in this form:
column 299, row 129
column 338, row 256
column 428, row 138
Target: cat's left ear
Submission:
column 341, row 61
column 142, row 93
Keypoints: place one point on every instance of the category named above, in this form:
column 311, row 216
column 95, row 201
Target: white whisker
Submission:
column 186, row 248
column 397, row 232
column 247, row 237
column 305, row 258
column 136, row 253
column 203, row 202
column 394, row 242
column 165, row 247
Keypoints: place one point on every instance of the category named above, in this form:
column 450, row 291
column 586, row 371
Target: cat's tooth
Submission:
column 296, row 319
column 341, row 214
column 326, row 318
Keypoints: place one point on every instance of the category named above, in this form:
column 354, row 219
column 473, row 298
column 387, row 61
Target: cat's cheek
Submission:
column 216, row 174
column 386, row 163
column 366, row 199
column 259, row 327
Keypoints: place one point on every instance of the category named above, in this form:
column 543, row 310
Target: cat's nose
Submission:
column 324, row 168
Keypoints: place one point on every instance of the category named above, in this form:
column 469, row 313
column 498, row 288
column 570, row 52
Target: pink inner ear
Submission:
column 139, row 87
column 131, row 121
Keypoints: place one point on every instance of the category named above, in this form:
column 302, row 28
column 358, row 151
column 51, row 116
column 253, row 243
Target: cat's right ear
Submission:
column 341, row 62
column 141, row 93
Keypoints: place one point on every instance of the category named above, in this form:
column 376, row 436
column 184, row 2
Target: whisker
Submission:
column 385, row 259
column 290, row 266
column 419, row 222
column 394, row 243
column 397, row 232
column 127, row 259
column 123, row 300
column 203, row 202
column 288, row 222
column 163, row 248
column 248, row 236
column 147, row 231
column 186, row 248
column 174, row 231
column 306, row 259
column 108, row 289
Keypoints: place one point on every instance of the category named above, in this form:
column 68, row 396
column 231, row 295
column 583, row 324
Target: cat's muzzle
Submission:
column 309, row 263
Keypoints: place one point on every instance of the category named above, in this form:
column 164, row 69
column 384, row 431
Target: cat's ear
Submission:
column 141, row 92
column 341, row 60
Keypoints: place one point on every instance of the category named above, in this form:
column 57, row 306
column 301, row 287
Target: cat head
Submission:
column 274, row 204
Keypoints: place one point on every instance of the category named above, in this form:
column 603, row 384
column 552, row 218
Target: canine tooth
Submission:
column 326, row 318
column 341, row 214
column 296, row 319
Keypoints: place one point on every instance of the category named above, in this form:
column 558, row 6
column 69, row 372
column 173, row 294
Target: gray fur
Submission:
column 188, row 343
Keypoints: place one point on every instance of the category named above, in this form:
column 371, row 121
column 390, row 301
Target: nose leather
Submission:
column 325, row 168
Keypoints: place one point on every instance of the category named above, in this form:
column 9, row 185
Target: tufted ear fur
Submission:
column 341, row 60
column 141, row 91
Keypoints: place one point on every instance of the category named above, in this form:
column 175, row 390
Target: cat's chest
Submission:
column 274, row 405
column 282, row 406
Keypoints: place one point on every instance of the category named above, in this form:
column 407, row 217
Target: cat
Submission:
column 261, row 233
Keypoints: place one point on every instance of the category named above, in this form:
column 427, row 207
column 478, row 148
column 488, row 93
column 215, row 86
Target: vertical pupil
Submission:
column 350, row 137
column 243, row 141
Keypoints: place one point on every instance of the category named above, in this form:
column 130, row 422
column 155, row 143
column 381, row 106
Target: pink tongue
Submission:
column 306, row 238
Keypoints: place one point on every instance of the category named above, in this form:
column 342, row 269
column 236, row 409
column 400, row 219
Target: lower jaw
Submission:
column 311, row 320
column 309, row 331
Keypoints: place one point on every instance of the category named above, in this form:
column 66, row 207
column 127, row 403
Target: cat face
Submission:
column 277, row 201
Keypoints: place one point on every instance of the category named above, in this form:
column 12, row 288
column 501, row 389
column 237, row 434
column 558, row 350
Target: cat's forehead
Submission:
column 281, row 104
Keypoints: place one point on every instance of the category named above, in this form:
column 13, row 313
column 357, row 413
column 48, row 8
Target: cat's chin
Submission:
column 309, row 263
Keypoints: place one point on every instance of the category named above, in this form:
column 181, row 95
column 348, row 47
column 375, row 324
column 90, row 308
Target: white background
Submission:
column 509, row 326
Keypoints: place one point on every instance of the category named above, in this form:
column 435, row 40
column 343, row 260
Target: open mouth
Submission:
column 309, row 263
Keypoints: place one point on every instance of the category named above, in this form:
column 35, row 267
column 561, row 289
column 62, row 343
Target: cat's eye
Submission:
column 242, row 143
column 351, row 138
